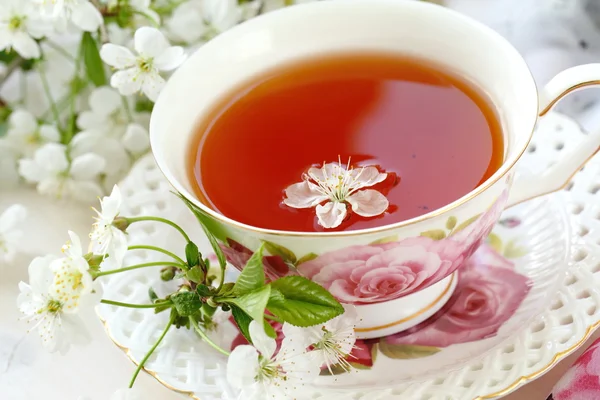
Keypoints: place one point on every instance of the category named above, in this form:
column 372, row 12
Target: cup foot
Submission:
column 383, row 319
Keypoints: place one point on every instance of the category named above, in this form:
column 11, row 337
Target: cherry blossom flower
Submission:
column 338, row 185
column 46, row 314
column 199, row 20
column 332, row 342
column 20, row 26
column 27, row 135
column 142, row 72
column 56, row 175
column 108, row 239
column 261, row 374
column 72, row 279
column 81, row 13
column 10, row 232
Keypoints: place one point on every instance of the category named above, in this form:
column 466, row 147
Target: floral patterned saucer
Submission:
column 487, row 340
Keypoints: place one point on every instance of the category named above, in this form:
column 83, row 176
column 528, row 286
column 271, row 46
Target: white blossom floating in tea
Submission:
column 338, row 186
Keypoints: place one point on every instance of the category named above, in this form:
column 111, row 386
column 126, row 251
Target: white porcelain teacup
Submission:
column 397, row 275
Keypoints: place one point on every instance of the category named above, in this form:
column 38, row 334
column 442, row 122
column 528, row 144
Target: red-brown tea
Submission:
column 435, row 136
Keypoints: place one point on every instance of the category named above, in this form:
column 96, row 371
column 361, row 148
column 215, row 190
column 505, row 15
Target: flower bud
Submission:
column 93, row 260
column 121, row 223
column 168, row 273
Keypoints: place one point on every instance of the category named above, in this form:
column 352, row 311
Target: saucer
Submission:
column 495, row 333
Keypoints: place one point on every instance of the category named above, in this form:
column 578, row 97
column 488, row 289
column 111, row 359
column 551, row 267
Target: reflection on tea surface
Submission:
column 434, row 136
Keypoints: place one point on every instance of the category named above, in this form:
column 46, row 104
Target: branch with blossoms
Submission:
column 318, row 331
column 78, row 80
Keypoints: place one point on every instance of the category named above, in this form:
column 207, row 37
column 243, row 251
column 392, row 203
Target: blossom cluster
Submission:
column 78, row 80
column 315, row 334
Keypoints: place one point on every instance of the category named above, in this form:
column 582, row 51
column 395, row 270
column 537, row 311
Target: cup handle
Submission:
column 558, row 175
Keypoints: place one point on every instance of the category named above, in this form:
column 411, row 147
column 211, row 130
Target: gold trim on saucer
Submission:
column 519, row 382
column 555, row 360
column 427, row 308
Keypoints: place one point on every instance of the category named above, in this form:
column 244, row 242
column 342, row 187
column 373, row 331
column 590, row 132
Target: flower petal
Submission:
column 170, row 59
column 152, row 85
column 73, row 249
column 331, row 214
column 303, row 195
column 25, row 45
column 87, row 166
column 136, row 139
column 52, row 157
column 86, row 16
column 117, row 56
column 366, row 176
column 31, row 171
column 21, row 122
column 127, row 81
column 12, row 217
column 111, row 205
column 368, row 203
column 242, row 366
column 327, row 173
column 263, row 343
column 104, row 101
column 49, row 133
column 150, row 42
column 40, row 275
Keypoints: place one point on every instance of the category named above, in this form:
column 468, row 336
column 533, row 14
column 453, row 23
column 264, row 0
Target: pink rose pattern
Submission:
column 582, row 380
column 489, row 292
column 382, row 272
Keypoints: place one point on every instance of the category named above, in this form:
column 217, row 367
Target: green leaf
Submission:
column 512, row 250
column 466, row 223
column 205, row 223
column 227, row 289
column 203, row 291
column 495, row 242
column 91, row 58
column 192, row 254
column 435, row 234
column 152, row 295
column 269, row 330
column 406, row 351
column 186, row 303
column 253, row 303
column 195, row 274
column 451, row 222
column 301, row 302
column 306, row 257
column 208, row 311
column 278, row 250
column 253, row 275
column 242, row 320
column 387, row 239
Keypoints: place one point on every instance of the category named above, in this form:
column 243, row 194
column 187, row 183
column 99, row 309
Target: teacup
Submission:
column 400, row 274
